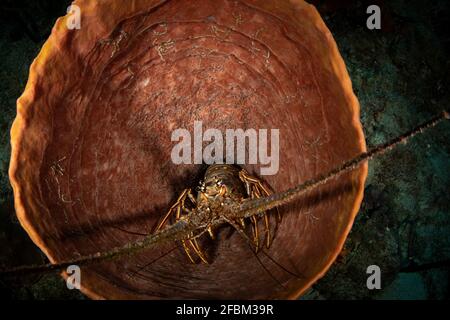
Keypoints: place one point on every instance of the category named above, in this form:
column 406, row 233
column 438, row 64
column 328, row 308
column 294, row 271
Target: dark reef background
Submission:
column 401, row 75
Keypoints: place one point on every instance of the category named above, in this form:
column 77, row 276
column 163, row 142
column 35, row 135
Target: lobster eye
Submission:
column 201, row 186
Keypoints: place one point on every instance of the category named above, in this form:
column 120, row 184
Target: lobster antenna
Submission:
column 183, row 228
column 176, row 231
column 255, row 206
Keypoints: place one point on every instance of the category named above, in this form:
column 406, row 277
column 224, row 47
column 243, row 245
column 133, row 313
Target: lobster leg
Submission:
column 246, row 177
column 192, row 242
column 266, row 220
column 266, row 223
column 187, row 251
column 256, row 189
column 184, row 243
column 198, row 250
column 176, row 206
column 255, row 231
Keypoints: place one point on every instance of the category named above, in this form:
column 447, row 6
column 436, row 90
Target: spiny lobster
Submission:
column 224, row 185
